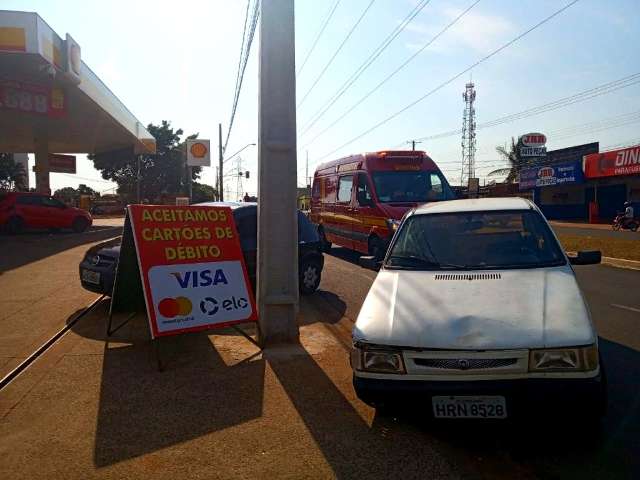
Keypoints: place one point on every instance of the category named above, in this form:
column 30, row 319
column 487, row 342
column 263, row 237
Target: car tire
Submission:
column 14, row 225
column 376, row 247
column 79, row 225
column 325, row 245
column 309, row 275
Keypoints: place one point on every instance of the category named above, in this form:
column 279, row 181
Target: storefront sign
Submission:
column 625, row 161
column 549, row 175
column 62, row 163
column 191, row 266
column 532, row 145
column 31, row 98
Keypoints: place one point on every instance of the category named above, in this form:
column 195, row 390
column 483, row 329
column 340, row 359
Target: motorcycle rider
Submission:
column 628, row 214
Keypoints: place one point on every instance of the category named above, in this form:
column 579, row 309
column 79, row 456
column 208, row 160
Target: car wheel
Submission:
column 376, row 248
column 325, row 245
column 79, row 224
column 15, row 225
column 309, row 276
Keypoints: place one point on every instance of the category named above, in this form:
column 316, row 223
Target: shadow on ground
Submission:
column 142, row 410
column 30, row 247
column 568, row 448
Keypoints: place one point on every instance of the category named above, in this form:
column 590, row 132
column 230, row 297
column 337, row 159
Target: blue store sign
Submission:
column 549, row 175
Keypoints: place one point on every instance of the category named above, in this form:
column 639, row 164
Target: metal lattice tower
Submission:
column 468, row 135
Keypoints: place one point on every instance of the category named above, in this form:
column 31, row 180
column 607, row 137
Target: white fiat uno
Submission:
column 476, row 313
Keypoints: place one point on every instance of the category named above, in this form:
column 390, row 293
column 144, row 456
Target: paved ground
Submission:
column 92, row 408
column 40, row 288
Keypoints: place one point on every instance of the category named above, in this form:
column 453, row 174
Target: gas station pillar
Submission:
column 42, row 166
column 277, row 278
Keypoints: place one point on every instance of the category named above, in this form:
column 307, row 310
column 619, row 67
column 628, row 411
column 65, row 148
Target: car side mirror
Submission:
column 370, row 263
column 587, row 257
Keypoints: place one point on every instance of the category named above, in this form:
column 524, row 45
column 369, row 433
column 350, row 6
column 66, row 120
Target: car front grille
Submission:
column 465, row 363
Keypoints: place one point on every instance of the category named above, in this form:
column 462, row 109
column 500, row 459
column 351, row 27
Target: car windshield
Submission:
column 475, row 240
column 411, row 186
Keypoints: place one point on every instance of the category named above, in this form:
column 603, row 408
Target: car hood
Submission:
column 529, row 308
column 397, row 210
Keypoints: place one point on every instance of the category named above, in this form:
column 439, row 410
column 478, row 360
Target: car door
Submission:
column 365, row 213
column 29, row 208
column 343, row 217
column 55, row 212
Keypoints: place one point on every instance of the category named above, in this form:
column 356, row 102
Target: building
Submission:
column 582, row 183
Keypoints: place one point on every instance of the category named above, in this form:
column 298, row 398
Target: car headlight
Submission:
column 581, row 359
column 393, row 224
column 377, row 360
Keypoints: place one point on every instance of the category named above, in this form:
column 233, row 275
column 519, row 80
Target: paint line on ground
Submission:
column 624, row 307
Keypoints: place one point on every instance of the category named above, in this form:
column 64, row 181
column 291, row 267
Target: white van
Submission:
column 476, row 313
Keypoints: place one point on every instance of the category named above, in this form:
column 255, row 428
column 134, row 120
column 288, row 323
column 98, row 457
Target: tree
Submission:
column 163, row 173
column 516, row 163
column 71, row 195
column 12, row 174
column 86, row 190
column 202, row 193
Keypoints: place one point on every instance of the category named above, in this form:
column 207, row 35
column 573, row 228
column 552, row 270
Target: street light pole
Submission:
column 277, row 278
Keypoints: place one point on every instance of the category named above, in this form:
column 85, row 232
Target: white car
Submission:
column 476, row 313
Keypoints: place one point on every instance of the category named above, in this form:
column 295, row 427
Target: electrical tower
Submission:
column 468, row 135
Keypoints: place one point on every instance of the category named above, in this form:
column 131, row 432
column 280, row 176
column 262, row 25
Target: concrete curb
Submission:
column 617, row 262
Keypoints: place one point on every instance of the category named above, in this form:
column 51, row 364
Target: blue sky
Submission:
column 177, row 61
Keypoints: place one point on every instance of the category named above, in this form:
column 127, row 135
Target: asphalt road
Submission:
column 556, row 450
column 597, row 232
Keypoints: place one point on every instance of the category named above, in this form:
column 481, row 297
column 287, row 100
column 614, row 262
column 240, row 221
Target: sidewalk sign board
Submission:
column 191, row 268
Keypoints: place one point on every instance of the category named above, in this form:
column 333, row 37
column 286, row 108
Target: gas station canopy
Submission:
column 50, row 99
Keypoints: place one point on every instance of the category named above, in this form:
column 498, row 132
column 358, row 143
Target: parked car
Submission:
column 97, row 269
column 476, row 313
column 358, row 201
column 22, row 210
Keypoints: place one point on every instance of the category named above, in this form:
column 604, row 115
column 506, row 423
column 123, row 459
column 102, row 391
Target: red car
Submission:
column 20, row 210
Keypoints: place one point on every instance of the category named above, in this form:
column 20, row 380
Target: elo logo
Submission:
column 210, row 305
column 202, row 278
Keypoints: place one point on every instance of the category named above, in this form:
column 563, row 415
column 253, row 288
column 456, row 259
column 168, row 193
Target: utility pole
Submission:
column 413, row 144
column 277, row 278
column 306, row 173
column 468, row 135
column 220, row 179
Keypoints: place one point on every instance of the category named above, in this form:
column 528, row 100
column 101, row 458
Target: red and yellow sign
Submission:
column 32, row 98
column 625, row 161
column 13, row 39
column 192, row 268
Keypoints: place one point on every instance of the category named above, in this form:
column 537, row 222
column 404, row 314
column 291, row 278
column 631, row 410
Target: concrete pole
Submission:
column 42, row 165
column 277, row 277
column 220, row 161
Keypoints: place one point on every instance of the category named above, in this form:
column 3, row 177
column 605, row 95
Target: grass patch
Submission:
column 610, row 247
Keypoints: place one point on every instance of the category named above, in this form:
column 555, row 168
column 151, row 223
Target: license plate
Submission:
column 469, row 407
column 91, row 277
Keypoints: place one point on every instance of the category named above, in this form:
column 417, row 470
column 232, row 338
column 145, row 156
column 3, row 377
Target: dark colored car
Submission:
column 21, row 210
column 97, row 269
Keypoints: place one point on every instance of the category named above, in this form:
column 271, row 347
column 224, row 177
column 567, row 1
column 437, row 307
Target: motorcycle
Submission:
column 619, row 223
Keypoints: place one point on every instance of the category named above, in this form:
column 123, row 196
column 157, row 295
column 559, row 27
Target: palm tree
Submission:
column 516, row 163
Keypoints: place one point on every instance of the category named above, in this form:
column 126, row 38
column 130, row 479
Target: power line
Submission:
column 366, row 64
column 392, row 74
column 315, row 41
column 452, row 79
column 556, row 104
column 242, row 67
column 335, row 54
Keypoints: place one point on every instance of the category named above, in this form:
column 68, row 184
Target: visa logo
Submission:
column 200, row 279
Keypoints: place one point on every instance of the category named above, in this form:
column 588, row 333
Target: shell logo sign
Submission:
column 198, row 153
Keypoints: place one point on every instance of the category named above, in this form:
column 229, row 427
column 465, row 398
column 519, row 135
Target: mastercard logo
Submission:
column 173, row 307
column 198, row 150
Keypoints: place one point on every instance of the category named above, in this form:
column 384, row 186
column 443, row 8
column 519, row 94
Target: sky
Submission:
column 177, row 61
